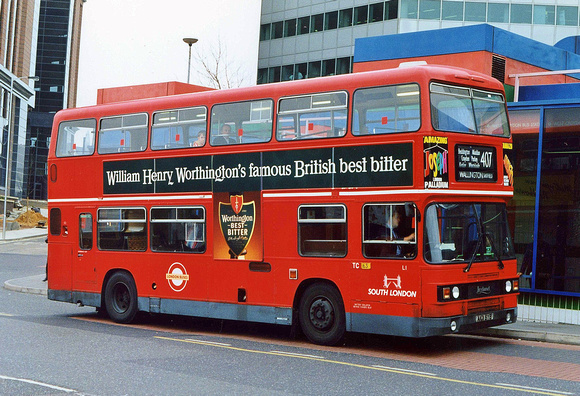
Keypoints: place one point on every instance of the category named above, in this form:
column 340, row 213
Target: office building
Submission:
column 57, row 58
column 18, row 39
column 312, row 38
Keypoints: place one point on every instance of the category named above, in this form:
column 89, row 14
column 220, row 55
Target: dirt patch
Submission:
column 31, row 219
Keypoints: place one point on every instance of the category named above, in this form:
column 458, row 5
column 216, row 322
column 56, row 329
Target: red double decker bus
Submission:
column 372, row 202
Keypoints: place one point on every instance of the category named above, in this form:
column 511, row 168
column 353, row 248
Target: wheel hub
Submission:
column 321, row 314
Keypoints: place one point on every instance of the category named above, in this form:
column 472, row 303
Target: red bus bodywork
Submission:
column 384, row 296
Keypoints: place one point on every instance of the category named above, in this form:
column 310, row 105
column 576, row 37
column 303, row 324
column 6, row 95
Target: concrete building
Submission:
column 311, row 38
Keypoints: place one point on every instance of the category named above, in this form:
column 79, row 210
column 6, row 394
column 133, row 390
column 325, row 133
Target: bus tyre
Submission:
column 121, row 297
column 321, row 314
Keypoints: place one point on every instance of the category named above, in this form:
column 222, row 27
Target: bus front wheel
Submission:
column 121, row 297
column 321, row 314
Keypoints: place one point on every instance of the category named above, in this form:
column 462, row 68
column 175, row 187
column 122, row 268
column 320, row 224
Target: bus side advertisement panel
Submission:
column 362, row 166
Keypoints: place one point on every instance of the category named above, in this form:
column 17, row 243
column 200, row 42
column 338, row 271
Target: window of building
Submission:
column 122, row 229
column 274, row 74
column 262, row 76
column 391, row 9
column 361, row 15
column 521, row 13
column 241, row 123
column 567, row 15
column 409, row 9
column 314, row 69
column 498, row 12
column 343, row 65
column 475, row 12
column 316, row 23
column 265, row 32
column 179, row 128
column 290, row 28
column 304, row 25
column 76, row 138
column 300, row 71
column 322, row 230
column 287, row 73
column 452, row 11
column 376, row 12
column 389, row 230
column 277, row 30
column 544, row 14
column 345, row 18
column 328, row 67
column 178, row 229
column 312, row 116
column 86, row 231
column 391, row 109
column 331, row 20
column 126, row 133
column 429, row 9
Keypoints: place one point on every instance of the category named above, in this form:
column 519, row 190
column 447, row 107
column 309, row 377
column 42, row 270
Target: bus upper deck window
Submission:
column 468, row 110
column 312, row 116
column 241, row 123
column 122, row 134
column 390, row 109
column 76, row 138
column 179, row 128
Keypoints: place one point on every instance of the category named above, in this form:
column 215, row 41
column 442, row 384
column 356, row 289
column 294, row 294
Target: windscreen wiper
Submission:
column 479, row 239
column 466, row 269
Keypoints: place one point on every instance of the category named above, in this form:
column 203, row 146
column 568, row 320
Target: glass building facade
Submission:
column 55, row 64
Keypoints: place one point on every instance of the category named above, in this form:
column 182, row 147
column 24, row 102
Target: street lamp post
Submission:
column 189, row 41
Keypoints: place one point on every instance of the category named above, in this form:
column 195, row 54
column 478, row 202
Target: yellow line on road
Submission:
column 5, row 314
column 375, row 368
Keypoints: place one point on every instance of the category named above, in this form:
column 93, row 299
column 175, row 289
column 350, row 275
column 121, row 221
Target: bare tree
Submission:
column 213, row 67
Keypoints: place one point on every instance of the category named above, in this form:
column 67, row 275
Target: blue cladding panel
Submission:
column 426, row 43
column 465, row 39
column 529, row 51
column 549, row 92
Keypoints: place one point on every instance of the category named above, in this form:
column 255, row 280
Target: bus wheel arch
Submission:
column 319, row 308
column 120, row 296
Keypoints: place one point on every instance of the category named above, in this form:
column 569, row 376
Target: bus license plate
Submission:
column 483, row 317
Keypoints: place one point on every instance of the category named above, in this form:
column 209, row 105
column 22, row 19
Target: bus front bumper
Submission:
column 428, row 327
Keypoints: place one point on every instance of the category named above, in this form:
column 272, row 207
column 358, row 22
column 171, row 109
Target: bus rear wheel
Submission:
column 321, row 314
column 121, row 297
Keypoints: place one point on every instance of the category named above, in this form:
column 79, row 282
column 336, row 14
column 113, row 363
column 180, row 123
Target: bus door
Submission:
column 84, row 271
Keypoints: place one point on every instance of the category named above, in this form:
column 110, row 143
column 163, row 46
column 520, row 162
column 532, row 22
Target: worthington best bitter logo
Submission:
column 237, row 219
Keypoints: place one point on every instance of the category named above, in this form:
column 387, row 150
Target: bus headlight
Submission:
column 508, row 286
column 455, row 292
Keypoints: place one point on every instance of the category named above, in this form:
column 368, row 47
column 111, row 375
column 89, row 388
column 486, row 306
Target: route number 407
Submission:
column 486, row 159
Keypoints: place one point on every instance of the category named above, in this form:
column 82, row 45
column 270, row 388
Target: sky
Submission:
column 133, row 42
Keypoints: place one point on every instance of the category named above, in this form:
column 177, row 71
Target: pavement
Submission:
column 522, row 330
